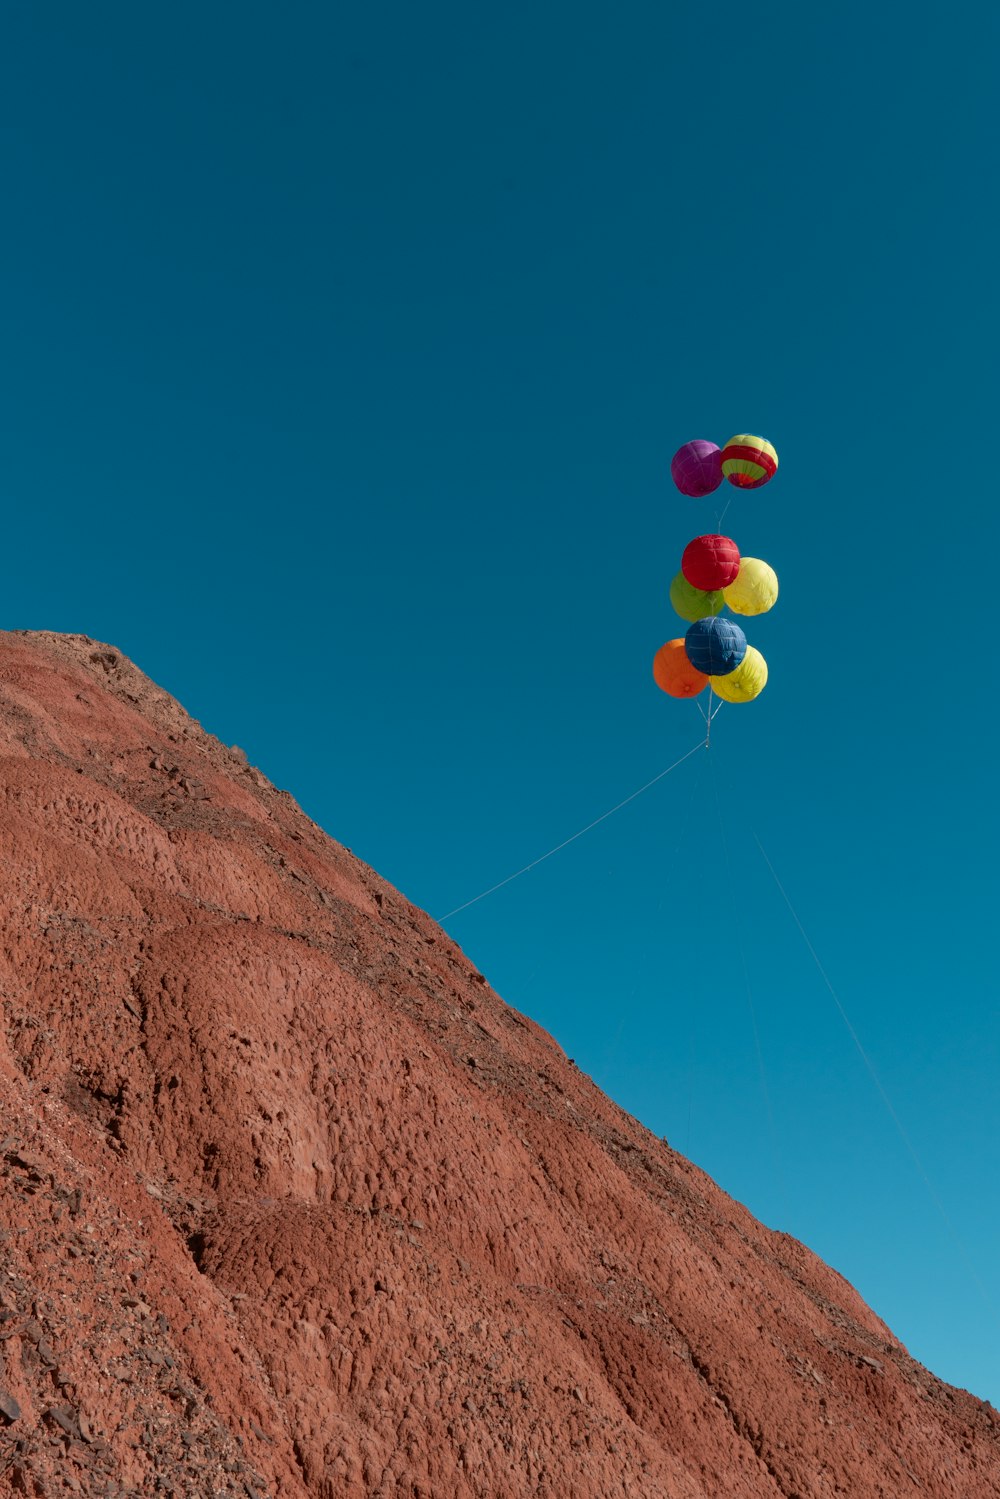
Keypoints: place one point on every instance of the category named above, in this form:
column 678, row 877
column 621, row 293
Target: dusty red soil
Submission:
column 291, row 1203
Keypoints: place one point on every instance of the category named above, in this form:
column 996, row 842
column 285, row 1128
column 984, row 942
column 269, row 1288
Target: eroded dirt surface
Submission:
column 291, row 1203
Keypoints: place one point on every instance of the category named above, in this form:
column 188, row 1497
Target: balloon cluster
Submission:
column 714, row 575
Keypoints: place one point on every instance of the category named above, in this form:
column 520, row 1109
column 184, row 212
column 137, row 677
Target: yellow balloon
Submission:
column 754, row 590
column 746, row 682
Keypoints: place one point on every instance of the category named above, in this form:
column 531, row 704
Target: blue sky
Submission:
column 344, row 354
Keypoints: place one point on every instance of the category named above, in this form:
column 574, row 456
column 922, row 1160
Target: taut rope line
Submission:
column 566, row 841
column 910, row 1147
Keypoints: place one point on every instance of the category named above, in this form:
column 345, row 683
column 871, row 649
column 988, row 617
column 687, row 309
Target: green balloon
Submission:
column 691, row 603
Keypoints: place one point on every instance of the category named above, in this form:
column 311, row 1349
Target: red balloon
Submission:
column 710, row 562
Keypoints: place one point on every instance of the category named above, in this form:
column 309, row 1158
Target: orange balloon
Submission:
column 674, row 673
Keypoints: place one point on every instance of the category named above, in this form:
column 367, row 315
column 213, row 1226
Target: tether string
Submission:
column 566, row 841
column 910, row 1147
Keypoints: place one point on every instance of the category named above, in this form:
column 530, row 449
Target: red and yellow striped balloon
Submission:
column 748, row 461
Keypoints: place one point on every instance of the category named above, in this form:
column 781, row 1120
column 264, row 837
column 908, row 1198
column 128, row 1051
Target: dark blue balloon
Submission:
column 715, row 646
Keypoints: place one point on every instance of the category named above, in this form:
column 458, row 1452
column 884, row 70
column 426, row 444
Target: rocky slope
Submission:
column 291, row 1203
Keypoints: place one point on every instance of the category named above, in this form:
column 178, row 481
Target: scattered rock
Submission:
column 10, row 1411
column 65, row 1418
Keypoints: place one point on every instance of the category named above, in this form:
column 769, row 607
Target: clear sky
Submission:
column 344, row 350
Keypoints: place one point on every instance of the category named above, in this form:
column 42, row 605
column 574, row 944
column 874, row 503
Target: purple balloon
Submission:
column 697, row 467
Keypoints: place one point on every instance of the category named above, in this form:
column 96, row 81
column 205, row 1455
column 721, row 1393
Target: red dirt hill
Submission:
column 291, row 1203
